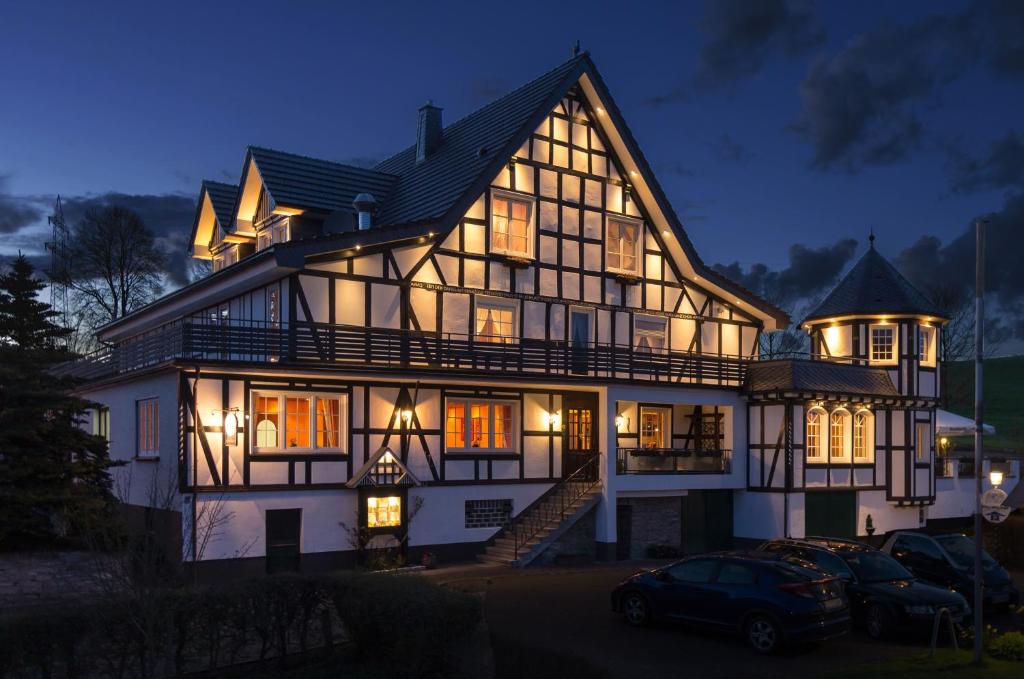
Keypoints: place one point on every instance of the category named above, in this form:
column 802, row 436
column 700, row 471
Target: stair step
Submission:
column 486, row 558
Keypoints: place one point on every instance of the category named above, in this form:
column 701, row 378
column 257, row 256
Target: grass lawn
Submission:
column 947, row 664
column 1002, row 381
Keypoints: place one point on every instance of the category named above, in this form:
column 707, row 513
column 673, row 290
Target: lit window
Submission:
column 881, row 343
column 292, row 422
column 480, row 425
column 655, row 427
column 383, row 512
column 815, row 453
column 863, row 436
column 218, row 263
column 622, row 250
column 511, row 225
column 495, row 321
column 838, row 422
column 649, row 334
column 147, row 414
column 925, row 345
column 270, row 234
column 231, row 256
column 101, row 422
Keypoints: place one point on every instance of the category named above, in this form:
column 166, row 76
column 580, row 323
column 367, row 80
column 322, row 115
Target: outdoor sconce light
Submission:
column 553, row 420
column 621, row 423
column 995, row 477
column 228, row 422
column 406, row 415
column 627, row 194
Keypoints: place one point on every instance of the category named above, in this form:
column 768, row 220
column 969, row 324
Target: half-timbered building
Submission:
column 500, row 342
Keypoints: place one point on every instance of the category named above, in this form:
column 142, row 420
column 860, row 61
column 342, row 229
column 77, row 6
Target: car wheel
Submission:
column 763, row 634
column 878, row 621
column 635, row 609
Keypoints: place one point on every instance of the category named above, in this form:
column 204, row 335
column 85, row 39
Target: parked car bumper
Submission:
column 820, row 629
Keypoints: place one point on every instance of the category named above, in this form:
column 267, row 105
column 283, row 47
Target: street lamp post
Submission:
column 979, row 330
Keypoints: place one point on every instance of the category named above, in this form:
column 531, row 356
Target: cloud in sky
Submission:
column 742, row 36
column 861, row 105
column 1000, row 168
column 811, row 271
column 17, row 212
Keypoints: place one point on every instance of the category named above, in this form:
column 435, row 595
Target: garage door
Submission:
column 706, row 521
column 831, row 514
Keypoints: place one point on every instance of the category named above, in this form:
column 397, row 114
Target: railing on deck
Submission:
column 261, row 342
column 553, row 505
column 673, row 461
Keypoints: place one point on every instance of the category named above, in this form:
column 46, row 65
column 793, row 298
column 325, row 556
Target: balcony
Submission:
column 358, row 348
column 673, row 461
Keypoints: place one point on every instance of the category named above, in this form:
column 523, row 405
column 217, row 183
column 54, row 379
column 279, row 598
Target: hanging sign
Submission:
column 992, row 507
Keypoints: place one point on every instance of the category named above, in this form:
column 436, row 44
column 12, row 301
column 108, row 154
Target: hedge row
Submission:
column 401, row 626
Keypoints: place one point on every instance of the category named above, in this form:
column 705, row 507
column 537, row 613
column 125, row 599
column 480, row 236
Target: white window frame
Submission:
column 822, row 426
column 666, row 421
column 482, row 301
column 863, row 436
column 217, row 263
column 638, row 247
column 638, row 333
column 282, row 432
column 845, row 443
column 467, row 402
column 531, row 227
column 147, row 428
column 231, row 255
column 273, row 231
column 926, row 345
column 894, row 357
column 101, row 422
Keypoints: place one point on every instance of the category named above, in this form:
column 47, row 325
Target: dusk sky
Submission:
column 770, row 124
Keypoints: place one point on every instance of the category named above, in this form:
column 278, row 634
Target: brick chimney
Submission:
column 428, row 131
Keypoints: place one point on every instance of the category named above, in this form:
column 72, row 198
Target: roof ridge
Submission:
column 267, row 149
column 489, row 104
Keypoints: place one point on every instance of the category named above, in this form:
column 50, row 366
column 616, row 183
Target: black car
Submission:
column 884, row 596
column 769, row 601
column 948, row 561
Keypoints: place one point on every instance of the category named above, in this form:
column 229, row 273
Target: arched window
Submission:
column 815, row 452
column 839, row 437
column 863, row 436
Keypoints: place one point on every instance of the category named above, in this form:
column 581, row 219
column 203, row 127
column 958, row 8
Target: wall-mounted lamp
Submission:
column 621, row 423
column 227, row 420
column 512, row 164
column 627, row 194
column 995, row 477
column 553, row 420
column 405, row 415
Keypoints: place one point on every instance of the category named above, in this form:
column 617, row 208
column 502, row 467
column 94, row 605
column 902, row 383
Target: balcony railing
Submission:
column 358, row 347
column 673, row 461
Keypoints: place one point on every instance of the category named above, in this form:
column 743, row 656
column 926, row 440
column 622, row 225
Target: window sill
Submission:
column 272, row 455
column 625, row 277
column 146, row 458
column 514, row 261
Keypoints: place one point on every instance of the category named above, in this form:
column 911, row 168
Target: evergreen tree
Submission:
column 54, row 476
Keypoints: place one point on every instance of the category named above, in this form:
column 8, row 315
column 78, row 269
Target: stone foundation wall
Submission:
column 654, row 521
column 576, row 545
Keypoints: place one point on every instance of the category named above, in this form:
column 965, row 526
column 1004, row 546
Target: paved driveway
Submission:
column 551, row 613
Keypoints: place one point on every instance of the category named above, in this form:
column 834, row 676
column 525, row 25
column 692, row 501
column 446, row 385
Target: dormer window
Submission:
column 882, row 344
column 512, row 219
column 622, row 247
column 272, row 233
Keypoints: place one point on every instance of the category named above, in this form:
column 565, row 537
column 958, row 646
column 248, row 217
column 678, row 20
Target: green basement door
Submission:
column 831, row 514
column 706, row 521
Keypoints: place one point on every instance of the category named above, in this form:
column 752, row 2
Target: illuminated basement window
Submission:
column 383, row 512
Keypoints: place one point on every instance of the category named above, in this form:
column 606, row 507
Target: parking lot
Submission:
column 542, row 617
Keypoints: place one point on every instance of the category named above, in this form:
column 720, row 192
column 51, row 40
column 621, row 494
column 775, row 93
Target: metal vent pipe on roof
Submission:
column 365, row 204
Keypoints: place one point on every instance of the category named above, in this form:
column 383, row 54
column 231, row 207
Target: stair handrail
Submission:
column 537, row 515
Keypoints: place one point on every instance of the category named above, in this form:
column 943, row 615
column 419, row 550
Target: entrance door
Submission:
column 831, row 514
column 706, row 521
column 580, row 432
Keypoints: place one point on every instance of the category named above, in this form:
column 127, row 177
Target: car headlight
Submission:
column 920, row 610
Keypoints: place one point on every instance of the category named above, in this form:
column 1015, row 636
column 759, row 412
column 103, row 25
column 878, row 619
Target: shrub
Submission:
column 1009, row 646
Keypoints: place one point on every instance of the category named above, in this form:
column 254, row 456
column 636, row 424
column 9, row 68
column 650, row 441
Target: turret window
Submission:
column 926, row 345
column 839, row 423
column 882, row 349
column 815, row 452
column 863, row 437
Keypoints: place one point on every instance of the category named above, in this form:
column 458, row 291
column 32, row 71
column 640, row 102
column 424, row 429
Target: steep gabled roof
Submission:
column 874, row 287
column 428, row 191
column 222, row 196
column 312, row 184
column 820, row 377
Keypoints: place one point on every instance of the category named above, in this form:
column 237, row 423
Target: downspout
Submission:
column 787, row 444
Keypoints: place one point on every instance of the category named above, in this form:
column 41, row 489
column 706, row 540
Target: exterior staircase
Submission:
column 538, row 526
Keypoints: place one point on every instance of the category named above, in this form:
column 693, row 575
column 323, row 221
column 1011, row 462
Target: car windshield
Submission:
column 961, row 548
column 871, row 566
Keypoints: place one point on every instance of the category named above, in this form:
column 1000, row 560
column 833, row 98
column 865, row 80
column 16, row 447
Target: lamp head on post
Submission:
column 995, row 477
